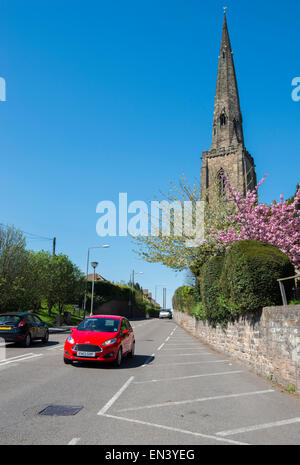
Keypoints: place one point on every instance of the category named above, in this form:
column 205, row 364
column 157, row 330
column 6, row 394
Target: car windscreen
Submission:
column 9, row 319
column 106, row 325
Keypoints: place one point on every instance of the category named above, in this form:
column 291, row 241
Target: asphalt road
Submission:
column 175, row 391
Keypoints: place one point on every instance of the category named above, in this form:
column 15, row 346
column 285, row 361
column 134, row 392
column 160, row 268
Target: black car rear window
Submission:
column 106, row 325
column 9, row 319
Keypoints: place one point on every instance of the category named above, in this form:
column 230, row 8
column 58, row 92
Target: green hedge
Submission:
column 184, row 299
column 106, row 291
column 250, row 273
column 210, row 290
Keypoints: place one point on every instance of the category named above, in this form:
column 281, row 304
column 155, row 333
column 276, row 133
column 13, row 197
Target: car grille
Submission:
column 87, row 348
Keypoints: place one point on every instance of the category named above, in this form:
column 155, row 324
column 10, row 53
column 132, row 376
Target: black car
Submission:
column 22, row 328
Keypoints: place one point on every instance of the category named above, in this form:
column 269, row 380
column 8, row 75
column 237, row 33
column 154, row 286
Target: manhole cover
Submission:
column 62, row 410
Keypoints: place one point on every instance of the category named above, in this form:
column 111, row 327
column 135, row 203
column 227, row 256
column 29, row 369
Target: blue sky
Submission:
column 109, row 97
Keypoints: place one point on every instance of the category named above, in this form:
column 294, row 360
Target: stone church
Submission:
column 227, row 153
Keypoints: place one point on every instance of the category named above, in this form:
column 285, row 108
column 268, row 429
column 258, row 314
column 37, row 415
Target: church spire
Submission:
column 227, row 122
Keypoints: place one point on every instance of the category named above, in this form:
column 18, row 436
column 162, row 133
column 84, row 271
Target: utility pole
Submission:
column 54, row 246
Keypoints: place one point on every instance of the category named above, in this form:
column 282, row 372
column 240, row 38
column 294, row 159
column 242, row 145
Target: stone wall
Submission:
column 268, row 342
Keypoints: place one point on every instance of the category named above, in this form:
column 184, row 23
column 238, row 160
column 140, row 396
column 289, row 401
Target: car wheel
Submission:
column 131, row 354
column 118, row 360
column 67, row 361
column 46, row 337
column 27, row 340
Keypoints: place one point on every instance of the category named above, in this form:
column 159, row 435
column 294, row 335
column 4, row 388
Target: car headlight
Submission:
column 109, row 341
column 70, row 340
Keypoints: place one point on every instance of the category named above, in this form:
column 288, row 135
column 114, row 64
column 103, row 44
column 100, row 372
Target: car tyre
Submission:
column 27, row 340
column 119, row 357
column 45, row 339
column 67, row 361
column 131, row 354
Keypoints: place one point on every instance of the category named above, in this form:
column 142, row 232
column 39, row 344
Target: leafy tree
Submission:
column 12, row 267
column 278, row 223
column 66, row 282
column 37, row 278
column 173, row 250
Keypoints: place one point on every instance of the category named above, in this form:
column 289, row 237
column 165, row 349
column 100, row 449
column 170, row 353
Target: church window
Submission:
column 221, row 182
column 222, row 119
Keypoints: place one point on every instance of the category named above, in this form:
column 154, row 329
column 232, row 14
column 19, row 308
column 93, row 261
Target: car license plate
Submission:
column 6, row 328
column 86, row 354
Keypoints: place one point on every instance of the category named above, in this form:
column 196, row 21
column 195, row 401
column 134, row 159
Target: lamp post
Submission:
column 106, row 246
column 94, row 265
column 135, row 272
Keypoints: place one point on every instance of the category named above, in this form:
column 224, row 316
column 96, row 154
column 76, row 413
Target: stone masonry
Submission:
column 268, row 342
column 227, row 153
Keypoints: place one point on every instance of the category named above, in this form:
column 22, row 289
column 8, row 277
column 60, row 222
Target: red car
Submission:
column 100, row 338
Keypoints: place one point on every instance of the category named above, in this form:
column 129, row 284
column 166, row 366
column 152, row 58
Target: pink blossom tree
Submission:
column 277, row 224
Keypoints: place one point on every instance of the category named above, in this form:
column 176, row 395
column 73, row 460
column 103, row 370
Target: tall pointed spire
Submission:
column 227, row 122
column 227, row 154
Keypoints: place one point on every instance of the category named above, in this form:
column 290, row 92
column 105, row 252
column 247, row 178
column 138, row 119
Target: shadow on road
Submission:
column 34, row 345
column 136, row 362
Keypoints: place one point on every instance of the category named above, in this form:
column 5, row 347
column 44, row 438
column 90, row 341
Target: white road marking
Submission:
column 149, row 359
column 189, row 377
column 161, row 346
column 74, row 441
column 201, row 399
column 176, row 430
column 190, row 363
column 174, row 347
column 181, row 343
column 20, row 359
column 18, row 356
column 182, row 355
column 56, row 347
column 115, row 397
column 259, row 427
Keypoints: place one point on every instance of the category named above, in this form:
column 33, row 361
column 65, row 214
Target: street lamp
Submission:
column 94, row 265
column 106, row 246
column 135, row 272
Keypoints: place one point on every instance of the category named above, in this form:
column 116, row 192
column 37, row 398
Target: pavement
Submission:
column 175, row 391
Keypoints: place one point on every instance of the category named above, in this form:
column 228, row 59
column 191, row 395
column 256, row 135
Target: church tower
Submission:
column 227, row 153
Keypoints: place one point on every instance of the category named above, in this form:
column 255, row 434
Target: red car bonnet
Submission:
column 92, row 337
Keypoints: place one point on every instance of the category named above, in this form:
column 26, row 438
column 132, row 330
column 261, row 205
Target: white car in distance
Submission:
column 166, row 313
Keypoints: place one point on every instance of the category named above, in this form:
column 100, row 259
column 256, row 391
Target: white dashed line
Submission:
column 115, row 397
column 259, row 427
column 189, row 377
column 182, row 355
column 18, row 360
column 201, row 399
column 149, row 359
column 190, row 363
column 74, row 441
column 176, row 430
